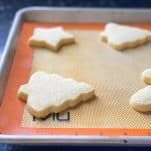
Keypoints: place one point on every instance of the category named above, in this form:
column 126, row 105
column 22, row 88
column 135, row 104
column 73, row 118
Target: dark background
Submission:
column 8, row 9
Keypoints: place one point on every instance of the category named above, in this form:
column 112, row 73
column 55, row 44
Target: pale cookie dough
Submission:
column 141, row 100
column 49, row 93
column 51, row 38
column 146, row 76
column 23, row 92
column 122, row 37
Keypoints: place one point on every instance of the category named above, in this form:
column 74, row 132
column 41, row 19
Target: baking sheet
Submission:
column 114, row 116
column 114, row 74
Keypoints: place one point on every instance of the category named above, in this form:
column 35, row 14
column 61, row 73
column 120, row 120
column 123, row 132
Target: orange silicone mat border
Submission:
column 11, row 109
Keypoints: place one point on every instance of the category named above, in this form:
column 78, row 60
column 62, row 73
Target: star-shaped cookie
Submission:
column 51, row 38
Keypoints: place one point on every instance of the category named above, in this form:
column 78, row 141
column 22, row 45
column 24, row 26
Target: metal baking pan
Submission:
column 66, row 15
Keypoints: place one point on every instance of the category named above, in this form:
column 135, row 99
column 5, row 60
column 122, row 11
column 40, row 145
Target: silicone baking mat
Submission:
column 114, row 74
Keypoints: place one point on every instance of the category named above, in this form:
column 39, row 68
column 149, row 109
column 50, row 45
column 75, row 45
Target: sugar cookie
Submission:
column 122, row 37
column 146, row 76
column 23, row 92
column 141, row 100
column 52, row 93
column 51, row 38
